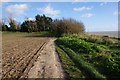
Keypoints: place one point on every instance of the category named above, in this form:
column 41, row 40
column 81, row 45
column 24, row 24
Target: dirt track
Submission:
column 30, row 57
column 47, row 64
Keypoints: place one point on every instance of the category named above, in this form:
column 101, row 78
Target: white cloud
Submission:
column 16, row 9
column 31, row 18
column 78, row 0
column 82, row 8
column 49, row 10
column 5, row 0
column 103, row 3
column 116, row 13
column 88, row 15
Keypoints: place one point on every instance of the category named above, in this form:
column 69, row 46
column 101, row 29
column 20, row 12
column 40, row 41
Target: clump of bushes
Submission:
column 67, row 26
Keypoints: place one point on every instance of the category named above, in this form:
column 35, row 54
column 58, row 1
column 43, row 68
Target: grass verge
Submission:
column 68, row 66
column 90, row 70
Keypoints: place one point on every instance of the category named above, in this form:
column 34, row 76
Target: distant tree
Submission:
column 48, row 23
column 43, row 22
column 39, row 22
column 5, row 27
column 12, row 23
column 18, row 26
column 24, row 26
column 29, row 26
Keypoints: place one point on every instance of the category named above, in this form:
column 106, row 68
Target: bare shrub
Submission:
column 67, row 26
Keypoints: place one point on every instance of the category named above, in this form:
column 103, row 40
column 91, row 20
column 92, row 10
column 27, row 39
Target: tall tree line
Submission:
column 44, row 23
column 41, row 23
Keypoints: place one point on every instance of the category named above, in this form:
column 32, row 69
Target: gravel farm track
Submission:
column 29, row 57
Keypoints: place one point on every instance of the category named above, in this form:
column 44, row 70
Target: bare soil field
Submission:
column 29, row 57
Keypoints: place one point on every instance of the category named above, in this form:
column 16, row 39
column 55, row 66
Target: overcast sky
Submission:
column 96, row 16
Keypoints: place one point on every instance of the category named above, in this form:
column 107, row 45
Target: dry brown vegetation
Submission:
column 67, row 26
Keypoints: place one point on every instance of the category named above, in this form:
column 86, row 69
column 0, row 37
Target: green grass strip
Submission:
column 68, row 66
column 90, row 70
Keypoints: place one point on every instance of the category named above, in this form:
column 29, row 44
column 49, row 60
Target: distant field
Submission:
column 108, row 33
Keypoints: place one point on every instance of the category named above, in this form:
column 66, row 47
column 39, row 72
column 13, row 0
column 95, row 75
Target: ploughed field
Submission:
column 19, row 54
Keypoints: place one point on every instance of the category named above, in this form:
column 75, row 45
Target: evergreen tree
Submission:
column 43, row 22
